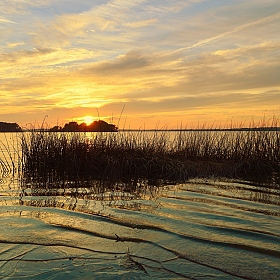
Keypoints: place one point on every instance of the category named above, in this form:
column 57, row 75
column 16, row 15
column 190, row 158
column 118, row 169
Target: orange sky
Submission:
column 167, row 63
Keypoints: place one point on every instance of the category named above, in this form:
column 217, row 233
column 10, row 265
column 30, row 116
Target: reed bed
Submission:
column 252, row 155
column 10, row 165
column 87, row 165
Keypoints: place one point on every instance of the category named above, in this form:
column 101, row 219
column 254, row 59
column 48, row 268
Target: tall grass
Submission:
column 10, row 163
column 251, row 155
column 82, row 164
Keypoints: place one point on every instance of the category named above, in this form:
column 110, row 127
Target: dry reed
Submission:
column 85, row 165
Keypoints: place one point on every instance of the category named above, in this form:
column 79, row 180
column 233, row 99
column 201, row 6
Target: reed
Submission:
column 252, row 154
column 10, row 163
column 85, row 165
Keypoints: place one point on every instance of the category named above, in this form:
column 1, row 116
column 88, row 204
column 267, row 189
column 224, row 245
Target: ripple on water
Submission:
column 193, row 231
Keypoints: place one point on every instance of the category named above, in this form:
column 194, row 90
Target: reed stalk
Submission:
column 82, row 164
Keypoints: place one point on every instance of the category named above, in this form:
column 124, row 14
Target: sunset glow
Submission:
column 168, row 62
column 88, row 120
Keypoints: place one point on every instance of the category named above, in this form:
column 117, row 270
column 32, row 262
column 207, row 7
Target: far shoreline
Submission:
column 153, row 130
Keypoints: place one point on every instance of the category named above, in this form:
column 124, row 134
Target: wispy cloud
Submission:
column 227, row 33
column 138, row 24
column 108, row 17
column 5, row 20
column 22, row 6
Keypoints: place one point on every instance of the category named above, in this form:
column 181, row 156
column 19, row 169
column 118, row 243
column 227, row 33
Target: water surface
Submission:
column 204, row 229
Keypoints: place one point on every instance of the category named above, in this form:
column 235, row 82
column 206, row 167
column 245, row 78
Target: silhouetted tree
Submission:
column 83, row 127
column 71, row 126
column 9, row 127
column 56, row 128
column 96, row 126
column 102, row 126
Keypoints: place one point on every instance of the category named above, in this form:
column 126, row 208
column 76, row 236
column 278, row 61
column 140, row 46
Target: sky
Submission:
column 139, row 63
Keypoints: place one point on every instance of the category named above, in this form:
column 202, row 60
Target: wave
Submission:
column 210, row 230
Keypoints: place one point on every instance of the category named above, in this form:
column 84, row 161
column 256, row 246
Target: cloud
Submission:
column 15, row 44
column 228, row 30
column 115, row 17
column 242, row 68
column 64, row 28
column 139, row 24
column 22, row 6
column 130, row 61
column 184, row 110
column 157, row 57
column 150, row 81
column 164, row 7
column 19, row 55
column 231, row 99
column 44, row 62
column 5, row 20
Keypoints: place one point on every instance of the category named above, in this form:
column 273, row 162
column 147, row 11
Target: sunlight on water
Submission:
column 198, row 230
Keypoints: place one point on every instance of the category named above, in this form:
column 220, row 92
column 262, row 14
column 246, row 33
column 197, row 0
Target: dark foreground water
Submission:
column 199, row 230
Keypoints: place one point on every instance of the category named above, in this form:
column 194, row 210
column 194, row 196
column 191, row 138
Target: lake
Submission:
column 202, row 229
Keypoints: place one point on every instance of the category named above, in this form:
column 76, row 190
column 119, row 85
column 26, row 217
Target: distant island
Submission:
column 96, row 126
column 9, row 127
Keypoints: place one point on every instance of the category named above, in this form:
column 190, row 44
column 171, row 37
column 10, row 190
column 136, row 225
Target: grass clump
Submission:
column 67, row 162
column 82, row 164
column 252, row 155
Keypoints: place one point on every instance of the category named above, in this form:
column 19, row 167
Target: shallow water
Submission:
column 199, row 230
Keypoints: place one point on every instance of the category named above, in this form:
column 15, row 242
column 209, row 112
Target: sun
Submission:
column 88, row 120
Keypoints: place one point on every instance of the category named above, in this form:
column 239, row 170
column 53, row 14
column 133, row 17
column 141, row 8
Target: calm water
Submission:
column 199, row 230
